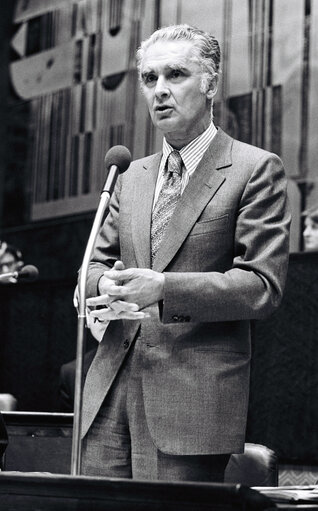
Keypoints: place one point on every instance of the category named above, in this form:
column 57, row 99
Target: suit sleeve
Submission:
column 252, row 288
column 107, row 247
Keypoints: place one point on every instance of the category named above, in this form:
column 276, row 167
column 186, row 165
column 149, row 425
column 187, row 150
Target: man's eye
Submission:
column 176, row 73
column 148, row 79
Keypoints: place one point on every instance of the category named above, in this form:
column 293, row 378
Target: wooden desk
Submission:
column 26, row 492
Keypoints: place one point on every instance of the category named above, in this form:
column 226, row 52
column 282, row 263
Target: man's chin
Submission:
column 166, row 125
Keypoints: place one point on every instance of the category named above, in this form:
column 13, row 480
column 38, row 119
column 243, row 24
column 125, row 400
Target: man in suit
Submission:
column 195, row 245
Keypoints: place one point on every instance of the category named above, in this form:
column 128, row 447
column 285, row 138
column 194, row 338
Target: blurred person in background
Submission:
column 10, row 261
column 310, row 233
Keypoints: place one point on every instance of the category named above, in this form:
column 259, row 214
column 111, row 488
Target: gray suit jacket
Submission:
column 225, row 257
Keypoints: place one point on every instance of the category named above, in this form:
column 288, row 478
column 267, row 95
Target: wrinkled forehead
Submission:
column 180, row 53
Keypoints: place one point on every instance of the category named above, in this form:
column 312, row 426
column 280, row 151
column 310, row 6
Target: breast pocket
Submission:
column 207, row 225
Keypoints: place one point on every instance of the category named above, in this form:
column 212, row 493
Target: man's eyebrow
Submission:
column 176, row 66
column 144, row 74
column 168, row 67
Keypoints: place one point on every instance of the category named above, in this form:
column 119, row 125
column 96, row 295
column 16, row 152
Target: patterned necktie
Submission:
column 167, row 201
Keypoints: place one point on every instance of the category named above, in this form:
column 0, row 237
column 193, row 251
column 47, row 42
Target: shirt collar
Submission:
column 191, row 153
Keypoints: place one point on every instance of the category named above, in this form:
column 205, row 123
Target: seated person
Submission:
column 310, row 233
column 10, row 261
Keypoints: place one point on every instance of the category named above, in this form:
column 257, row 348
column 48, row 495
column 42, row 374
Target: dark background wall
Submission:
column 6, row 13
column 284, row 378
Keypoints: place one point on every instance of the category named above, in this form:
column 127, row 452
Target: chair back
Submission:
column 257, row 466
column 8, row 403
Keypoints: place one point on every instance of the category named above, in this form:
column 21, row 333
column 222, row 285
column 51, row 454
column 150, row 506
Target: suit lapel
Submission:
column 145, row 183
column 205, row 182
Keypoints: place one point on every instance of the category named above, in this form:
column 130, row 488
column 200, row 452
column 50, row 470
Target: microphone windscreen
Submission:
column 118, row 155
column 28, row 273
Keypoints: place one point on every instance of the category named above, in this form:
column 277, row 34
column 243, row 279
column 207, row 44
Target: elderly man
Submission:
column 195, row 246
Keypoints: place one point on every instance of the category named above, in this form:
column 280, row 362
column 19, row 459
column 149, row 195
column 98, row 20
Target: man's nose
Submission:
column 162, row 88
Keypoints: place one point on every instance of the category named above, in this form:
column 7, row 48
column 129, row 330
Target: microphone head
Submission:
column 29, row 273
column 118, row 155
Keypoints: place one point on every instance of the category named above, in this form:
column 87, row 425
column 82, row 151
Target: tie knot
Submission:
column 175, row 162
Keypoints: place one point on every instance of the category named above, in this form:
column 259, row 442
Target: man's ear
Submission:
column 212, row 88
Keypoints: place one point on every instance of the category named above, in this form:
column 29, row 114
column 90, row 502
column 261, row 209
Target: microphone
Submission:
column 117, row 160
column 28, row 273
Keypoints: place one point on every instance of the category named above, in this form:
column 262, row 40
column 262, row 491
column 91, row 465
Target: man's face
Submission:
column 8, row 263
column 171, row 82
column 311, row 234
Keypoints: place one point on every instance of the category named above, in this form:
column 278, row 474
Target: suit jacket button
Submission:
column 187, row 318
column 175, row 318
column 126, row 344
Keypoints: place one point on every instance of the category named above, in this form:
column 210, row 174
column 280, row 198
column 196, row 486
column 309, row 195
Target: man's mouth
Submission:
column 162, row 108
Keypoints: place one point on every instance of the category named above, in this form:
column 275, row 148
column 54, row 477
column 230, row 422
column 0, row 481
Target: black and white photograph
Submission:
column 158, row 255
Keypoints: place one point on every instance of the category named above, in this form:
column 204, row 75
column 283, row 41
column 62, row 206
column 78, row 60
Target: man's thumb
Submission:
column 119, row 275
column 119, row 265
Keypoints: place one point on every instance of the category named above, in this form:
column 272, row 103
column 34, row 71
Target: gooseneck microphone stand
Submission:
column 117, row 160
column 81, row 337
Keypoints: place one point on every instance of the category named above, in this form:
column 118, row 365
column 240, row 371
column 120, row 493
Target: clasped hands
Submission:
column 124, row 293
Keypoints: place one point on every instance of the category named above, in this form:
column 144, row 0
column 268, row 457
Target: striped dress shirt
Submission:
column 191, row 156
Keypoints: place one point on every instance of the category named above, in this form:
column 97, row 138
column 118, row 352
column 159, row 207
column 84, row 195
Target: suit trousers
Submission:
column 119, row 444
